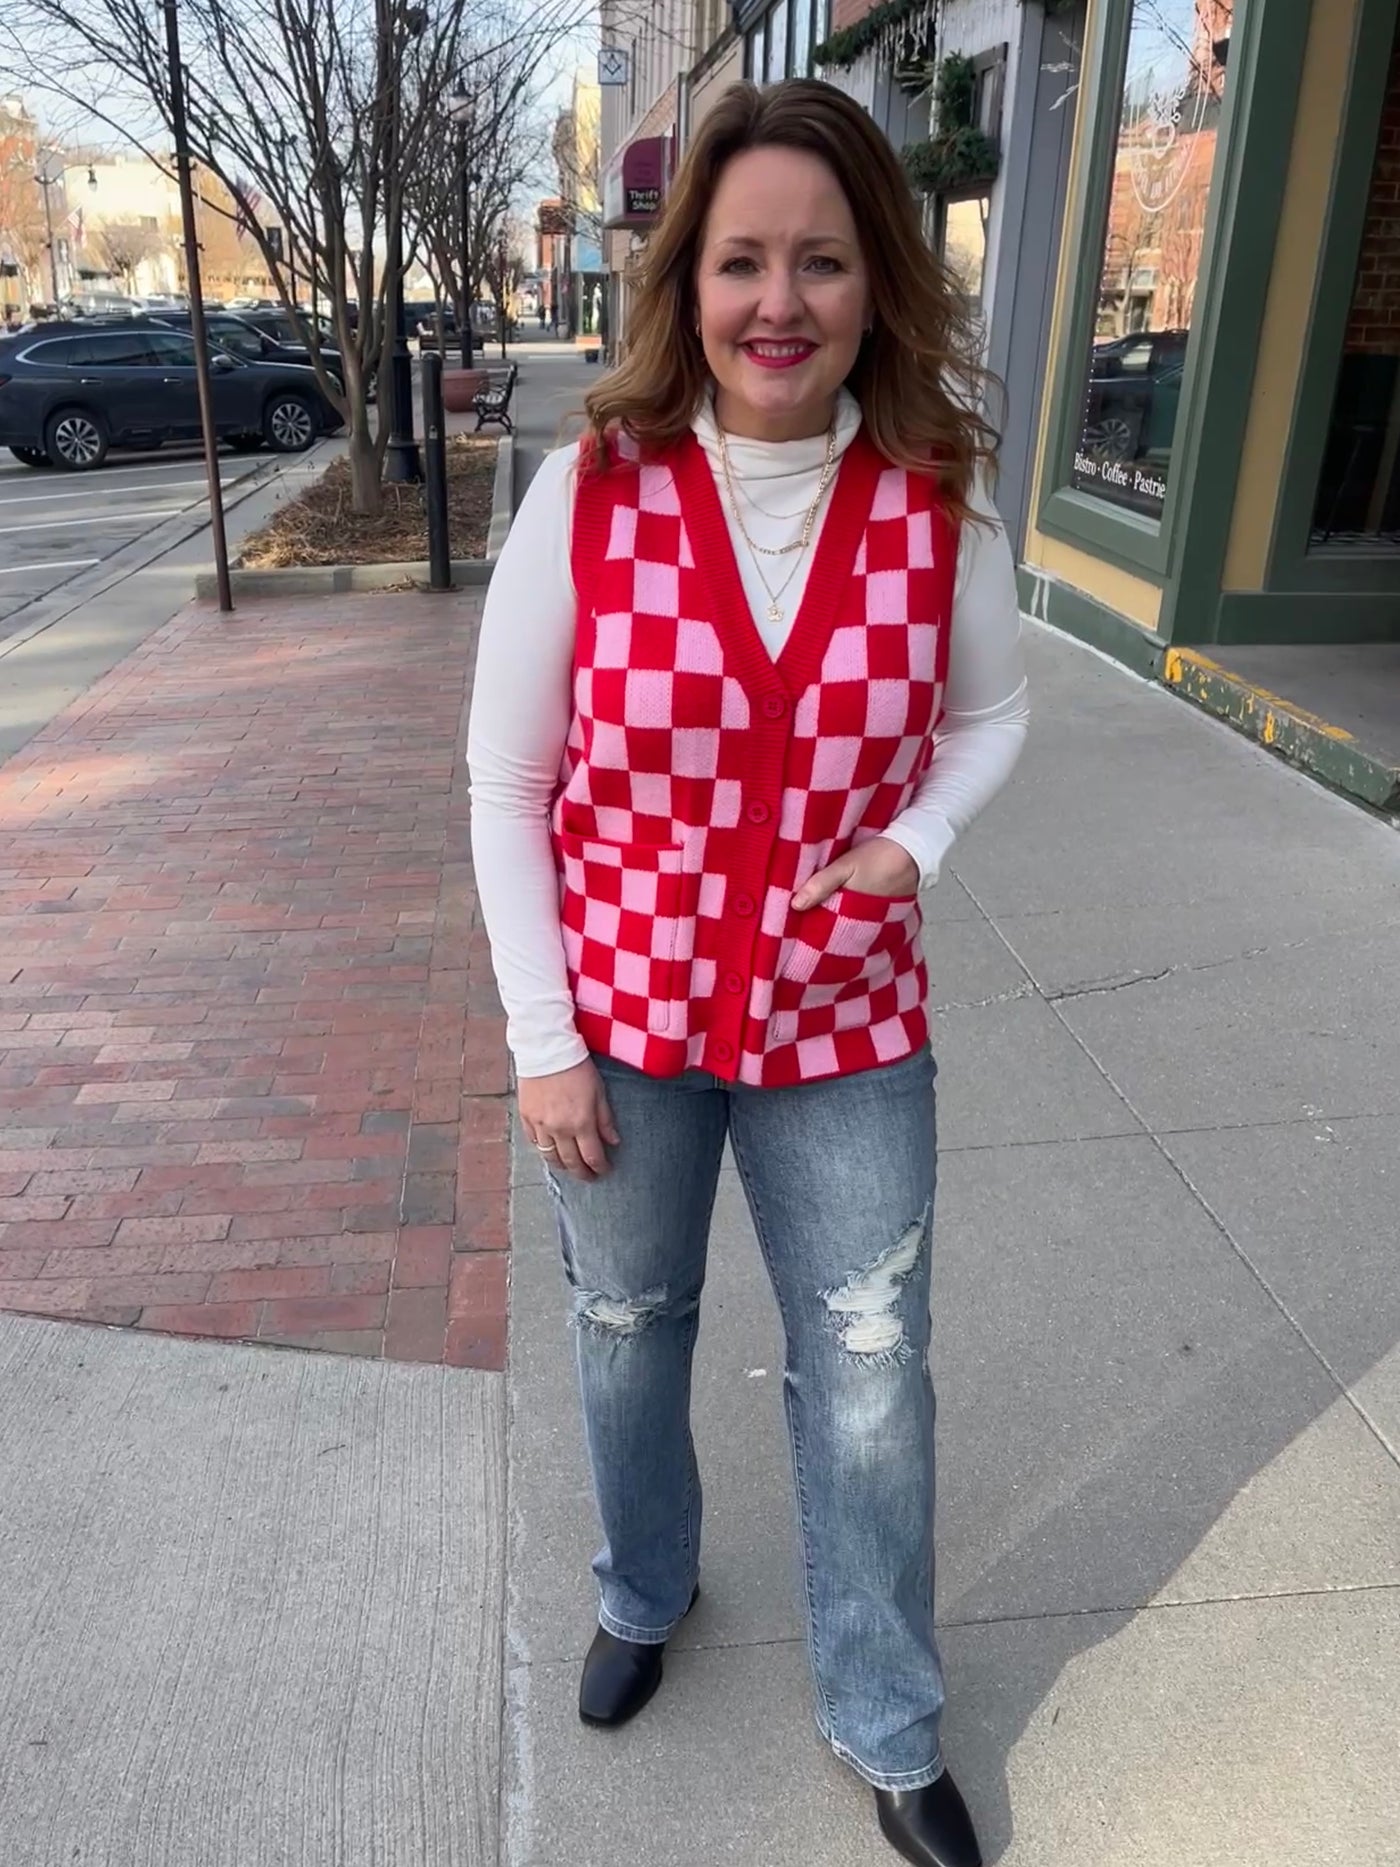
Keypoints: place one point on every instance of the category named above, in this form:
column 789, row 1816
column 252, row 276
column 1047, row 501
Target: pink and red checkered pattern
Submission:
column 703, row 782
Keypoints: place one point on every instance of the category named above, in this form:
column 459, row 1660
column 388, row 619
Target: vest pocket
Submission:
column 837, row 954
column 628, row 938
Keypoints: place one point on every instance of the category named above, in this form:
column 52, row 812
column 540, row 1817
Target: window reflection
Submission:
column 963, row 244
column 1153, row 245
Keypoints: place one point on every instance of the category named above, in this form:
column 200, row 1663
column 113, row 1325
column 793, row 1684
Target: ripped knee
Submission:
column 865, row 1311
column 619, row 1318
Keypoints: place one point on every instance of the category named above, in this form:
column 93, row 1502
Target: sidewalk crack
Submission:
column 1026, row 989
column 1095, row 988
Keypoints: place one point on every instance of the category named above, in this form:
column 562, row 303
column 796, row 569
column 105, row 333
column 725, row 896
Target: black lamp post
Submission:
column 461, row 107
column 402, row 462
column 47, row 181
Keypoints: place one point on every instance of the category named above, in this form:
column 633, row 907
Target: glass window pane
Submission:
column 171, row 349
column 801, row 37
column 119, row 350
column 964, row 247
column 777, row 42
column 1358, row 490
column 1163, row 161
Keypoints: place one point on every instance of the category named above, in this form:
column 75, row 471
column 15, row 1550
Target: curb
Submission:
column 135, row 556
column 1305, row 740
column 341, row 579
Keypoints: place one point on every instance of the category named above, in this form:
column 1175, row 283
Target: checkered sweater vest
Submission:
column 703, row 782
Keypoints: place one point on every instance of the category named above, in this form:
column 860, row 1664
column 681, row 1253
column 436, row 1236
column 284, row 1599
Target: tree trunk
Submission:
column 366, row 490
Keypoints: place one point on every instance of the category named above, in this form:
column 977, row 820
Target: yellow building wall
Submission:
column 715, row 82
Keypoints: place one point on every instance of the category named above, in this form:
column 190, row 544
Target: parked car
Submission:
column 100, row 305
column 68, row 394
column 253, row 341
column 279, row 323
column 1134, row 392
column 427, row 327
column 289, row 340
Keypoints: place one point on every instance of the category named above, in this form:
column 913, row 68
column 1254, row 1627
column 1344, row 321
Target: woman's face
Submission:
column 782, row 293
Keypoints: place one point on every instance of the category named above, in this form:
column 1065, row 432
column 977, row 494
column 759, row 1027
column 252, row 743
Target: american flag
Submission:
column 249, row 201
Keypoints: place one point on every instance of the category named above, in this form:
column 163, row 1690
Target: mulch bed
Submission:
column 320, row 526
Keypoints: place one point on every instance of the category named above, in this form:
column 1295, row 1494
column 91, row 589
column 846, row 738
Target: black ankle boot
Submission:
column 620, row 1676
column 930, row 1827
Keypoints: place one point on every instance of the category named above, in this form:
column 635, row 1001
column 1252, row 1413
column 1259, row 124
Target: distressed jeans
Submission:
column 839, row 1177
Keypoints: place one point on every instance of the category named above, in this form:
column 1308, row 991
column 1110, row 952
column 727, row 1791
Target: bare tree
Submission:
column 504, row 268
column 503, row 137
column 311, row 113
column 123, row 246
column 23, row 235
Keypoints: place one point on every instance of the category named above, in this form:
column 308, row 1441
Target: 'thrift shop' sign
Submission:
column 635, row 185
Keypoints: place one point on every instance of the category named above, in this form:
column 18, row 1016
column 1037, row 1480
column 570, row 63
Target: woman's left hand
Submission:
column 879, row 867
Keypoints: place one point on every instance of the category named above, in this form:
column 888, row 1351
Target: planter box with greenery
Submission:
column 958, row 155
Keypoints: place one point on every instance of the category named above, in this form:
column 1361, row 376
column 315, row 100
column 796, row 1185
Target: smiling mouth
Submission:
column 778, row 356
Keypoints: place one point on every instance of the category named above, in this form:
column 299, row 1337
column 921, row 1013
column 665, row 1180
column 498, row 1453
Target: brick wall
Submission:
column 845, row 13
column 1375, row 307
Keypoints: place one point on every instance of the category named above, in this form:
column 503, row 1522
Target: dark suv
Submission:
column 1134, row 392
column 69, row 393
column 268, row 337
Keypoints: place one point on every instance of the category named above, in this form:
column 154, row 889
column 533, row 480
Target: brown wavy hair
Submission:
column 917, row 378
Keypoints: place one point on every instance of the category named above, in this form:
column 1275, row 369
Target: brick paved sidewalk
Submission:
column 252, row 1065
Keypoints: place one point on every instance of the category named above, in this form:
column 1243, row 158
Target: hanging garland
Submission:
column 845, row 48
column 959, row 155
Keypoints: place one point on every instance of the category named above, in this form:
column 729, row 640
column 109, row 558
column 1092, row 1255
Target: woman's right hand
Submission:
column 568, row 1120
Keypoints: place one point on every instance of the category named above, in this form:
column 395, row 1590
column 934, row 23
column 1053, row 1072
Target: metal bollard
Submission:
column 435, row 472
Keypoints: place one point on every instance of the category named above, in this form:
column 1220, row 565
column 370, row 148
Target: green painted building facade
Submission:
column 1214, row 438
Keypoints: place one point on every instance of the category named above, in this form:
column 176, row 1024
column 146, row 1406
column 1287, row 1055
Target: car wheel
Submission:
column 76, row 440
column 1112, row 439
column 247, row 443
column 31, row 456
column 290, row 424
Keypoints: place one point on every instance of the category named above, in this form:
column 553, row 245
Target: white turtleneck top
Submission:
column 522, row 704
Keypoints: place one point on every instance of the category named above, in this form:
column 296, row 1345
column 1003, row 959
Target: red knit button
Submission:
column 744, row 904
column 723, row 1053
column 734, row 982
column 774, row 706
column 758, row 812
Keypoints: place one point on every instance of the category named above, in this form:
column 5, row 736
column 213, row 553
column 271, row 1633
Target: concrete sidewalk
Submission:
column 1167, row 1312
column 251, row 1597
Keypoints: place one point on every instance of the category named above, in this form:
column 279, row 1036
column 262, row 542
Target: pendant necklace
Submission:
column 775, row 611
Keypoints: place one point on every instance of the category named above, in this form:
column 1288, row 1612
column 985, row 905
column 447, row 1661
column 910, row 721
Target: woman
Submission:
column 750, row 661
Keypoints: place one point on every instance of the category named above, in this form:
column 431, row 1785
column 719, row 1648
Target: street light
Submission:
column 461, row 107
column 401, row 463
column 46, row 182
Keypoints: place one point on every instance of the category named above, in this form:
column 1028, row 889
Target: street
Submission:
column 53, row 526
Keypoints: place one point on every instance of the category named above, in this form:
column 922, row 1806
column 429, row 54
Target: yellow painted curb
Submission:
column 1184, row 667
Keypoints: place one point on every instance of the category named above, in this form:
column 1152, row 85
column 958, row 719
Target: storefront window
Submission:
column 1358, row 493
column 1153, row 246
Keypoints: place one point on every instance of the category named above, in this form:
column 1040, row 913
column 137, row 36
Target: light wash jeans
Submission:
column 839, row 1177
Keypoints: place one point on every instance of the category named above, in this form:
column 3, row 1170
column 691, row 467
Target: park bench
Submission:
column 493, row 403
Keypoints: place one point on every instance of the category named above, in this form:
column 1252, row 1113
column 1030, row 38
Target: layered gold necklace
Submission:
column 800, row 544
